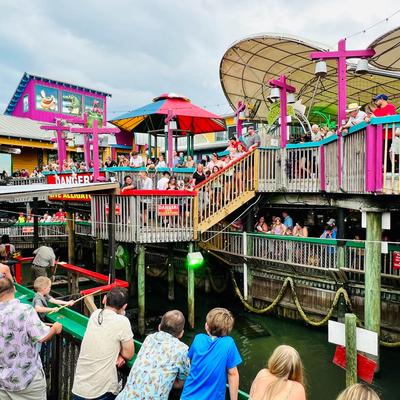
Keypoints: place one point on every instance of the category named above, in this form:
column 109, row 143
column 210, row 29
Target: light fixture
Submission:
column 79, row 149
column 321, row 69
column 362, row 66
column 195, row 260
column 274, row 94
column 173, row 125
column 291, row 98
column 111, row 139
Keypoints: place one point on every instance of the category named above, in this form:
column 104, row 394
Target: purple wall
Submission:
column 49, row 116
column 124, row 138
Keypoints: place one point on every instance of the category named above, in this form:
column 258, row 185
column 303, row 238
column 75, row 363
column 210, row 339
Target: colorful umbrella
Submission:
column 152, row 117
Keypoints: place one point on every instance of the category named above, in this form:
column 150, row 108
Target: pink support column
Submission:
column 95, row 143
column 379, row 158
column 170, row 141
column 86, row 150
column 239, row 122
column 284, row 89
column 370, row 159
column 322, row 169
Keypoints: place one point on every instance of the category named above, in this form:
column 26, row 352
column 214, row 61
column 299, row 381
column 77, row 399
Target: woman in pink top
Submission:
column 283, row 379
column 278, row 228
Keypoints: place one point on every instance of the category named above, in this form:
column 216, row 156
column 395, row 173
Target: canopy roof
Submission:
column 151, row 117
column 250, row 63
column 387, row 51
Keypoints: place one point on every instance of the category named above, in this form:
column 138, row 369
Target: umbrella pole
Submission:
column 170, row 141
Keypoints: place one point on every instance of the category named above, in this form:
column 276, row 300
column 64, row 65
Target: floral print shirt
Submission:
column 161, row 359
column 20, row 333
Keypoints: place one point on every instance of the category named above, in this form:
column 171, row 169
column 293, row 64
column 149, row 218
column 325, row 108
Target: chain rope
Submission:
column 288, row 282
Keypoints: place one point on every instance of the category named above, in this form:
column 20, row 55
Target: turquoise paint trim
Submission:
column 131, row 169
column 385, row 120
column 121, row 146
column 356, row 128
column 320, row 143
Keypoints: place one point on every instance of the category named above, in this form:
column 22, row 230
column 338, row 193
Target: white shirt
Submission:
column 360, row 117
column 96, row 372
column 161, row 164
column 136, row 162
column 44, row 257
column 146, row 184
column 316, row 136
column 162, row 183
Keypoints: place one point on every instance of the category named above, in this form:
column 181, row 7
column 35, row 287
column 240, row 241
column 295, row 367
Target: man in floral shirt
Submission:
column 162, row 362
column 21, row 332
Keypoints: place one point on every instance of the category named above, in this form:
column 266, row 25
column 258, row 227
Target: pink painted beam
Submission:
column 284, row 89
column 379, row 158
column 239, row 123
column 370, row 159
column 322, row 169
column 169, row 118
column 59, row 128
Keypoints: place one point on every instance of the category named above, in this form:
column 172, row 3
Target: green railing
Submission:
column 61, row 356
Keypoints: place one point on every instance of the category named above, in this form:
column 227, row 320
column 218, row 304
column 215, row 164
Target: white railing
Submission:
column 146, row 216
column 83, row 228
column 331, row 166
column 270, row 174
column 46, row 230
column 354, row 161
column 26, row 181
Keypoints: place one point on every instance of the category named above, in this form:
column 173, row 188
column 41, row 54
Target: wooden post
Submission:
column 71, row 237
column 190, row 288
column 372, row 269
column 351, row 349
column 35, row 223
column 141, row 271
column 99, row 255
column 171, row 276
column 111, row 238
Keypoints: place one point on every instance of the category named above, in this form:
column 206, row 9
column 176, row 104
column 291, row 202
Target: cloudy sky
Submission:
column 138, row 49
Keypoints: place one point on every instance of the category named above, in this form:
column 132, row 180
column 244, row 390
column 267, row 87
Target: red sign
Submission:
column 117, row 209
column 396, row 260
column 27, row 229
column 70, row 179
column 168, row 210
column 365, row 366
column 70, row 197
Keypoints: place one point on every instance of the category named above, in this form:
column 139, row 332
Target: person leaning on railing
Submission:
column 21, row 372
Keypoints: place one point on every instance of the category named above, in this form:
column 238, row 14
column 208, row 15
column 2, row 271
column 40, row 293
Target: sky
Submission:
column 137, row 49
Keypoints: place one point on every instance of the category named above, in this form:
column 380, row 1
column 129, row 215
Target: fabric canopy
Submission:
column 387, row 51
column 249, row 64
column 151, row 118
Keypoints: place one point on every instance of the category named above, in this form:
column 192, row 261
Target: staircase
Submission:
column 226, row 191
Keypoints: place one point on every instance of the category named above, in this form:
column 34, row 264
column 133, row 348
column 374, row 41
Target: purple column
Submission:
column 379, row 158
column 170, row 141
column 370, row 159
column 239, row 123
column 322, row 174
column 283, row 106
column 95, row 143
column 86, row 149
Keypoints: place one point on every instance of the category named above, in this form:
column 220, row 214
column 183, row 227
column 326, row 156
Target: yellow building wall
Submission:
column 28, row 159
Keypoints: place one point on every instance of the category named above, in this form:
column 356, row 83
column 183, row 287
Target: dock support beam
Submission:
column 141, row 272
column 351, row 349
column 71, row 237
column 99, row 255
column 111, row 238
column 190, row 287
column 171, row 276
column 35, row 223
column 372, row 268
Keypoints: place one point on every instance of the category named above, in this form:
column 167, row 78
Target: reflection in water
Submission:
column 257, row 336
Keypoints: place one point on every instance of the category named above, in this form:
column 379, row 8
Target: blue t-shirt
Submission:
column 210, row 361
column 288, row 222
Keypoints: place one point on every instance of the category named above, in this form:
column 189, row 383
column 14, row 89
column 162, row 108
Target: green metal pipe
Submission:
column 141, row 272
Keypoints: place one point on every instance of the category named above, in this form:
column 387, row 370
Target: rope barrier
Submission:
column 214, row 286
column 289, row 282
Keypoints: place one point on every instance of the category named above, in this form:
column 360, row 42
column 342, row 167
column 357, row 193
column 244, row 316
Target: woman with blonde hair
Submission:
column 358, row 391
column 283, row 379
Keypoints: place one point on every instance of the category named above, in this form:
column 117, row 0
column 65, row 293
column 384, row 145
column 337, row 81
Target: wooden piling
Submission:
column 71, row 237
column 372, row 269
column 141, row 272
column 190, row 288
column 99, row 255
column 351, row 349
column 171, row 277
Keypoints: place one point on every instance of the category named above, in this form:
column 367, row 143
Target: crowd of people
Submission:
column 163, row 362
column 285, row 226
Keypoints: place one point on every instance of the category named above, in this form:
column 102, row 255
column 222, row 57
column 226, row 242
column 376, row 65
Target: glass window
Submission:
column 95, row 110
column 46, row 98
column 25, row 103
column 71, row 103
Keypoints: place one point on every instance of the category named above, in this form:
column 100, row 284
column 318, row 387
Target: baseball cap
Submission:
column 380, row 97
column 331, row 222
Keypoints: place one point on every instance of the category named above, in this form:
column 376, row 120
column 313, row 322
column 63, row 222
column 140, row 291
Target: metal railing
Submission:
column 218, row 195
column 146, row 216
column 25, row 181
column 331, row 166
column 46, row 230
column 83, row 228
column 270, row 173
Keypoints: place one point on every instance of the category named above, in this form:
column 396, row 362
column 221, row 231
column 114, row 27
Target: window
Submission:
column 25, row 103
column 221, row 136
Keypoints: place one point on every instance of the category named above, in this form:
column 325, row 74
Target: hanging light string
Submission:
column 365, row 30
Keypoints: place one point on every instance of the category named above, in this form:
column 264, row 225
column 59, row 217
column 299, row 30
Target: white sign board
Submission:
column 366, row 341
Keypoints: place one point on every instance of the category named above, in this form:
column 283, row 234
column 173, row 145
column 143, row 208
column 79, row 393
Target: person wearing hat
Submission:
column 330, row 231
column 253, row 139
column 356, row 116
column 383, row 108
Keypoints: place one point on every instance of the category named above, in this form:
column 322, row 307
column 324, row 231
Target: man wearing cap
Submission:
column 356, row 116
column 253, row 139
column 383, row 108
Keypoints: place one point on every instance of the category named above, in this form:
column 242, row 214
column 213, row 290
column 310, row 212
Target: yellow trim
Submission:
column 256, row 168
column 26, row 143
column 195, row 216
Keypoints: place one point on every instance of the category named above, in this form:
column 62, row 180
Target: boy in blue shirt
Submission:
column 214, row 358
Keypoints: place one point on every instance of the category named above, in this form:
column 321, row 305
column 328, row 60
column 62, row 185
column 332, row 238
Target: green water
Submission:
column 257, row 336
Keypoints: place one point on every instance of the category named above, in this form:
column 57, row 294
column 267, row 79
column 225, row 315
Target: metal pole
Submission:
column 283, row 106
column 111, row 238
column 372, row 269
column 171, row 276
column 190, row 287
column 95, row 143
column 351, row 349
column 141, row 271
column 99, row 255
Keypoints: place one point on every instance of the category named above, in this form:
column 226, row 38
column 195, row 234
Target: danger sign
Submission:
column 117, row 209
column 168, row 210
column 396, row 260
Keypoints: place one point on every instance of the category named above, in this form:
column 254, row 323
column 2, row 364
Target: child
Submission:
column 42, row 286
column 214, row 358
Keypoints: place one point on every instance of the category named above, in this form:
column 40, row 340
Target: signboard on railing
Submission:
column 117, row 209
column 396, row 260
column 70, row 197
column 27, row 229
column 168, row 210
column 70, row 178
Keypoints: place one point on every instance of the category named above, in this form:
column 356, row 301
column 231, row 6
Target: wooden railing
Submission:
column 227, row 190
column 25, row 230
column 146, row 216
column 83, row 228
column 303, row 255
